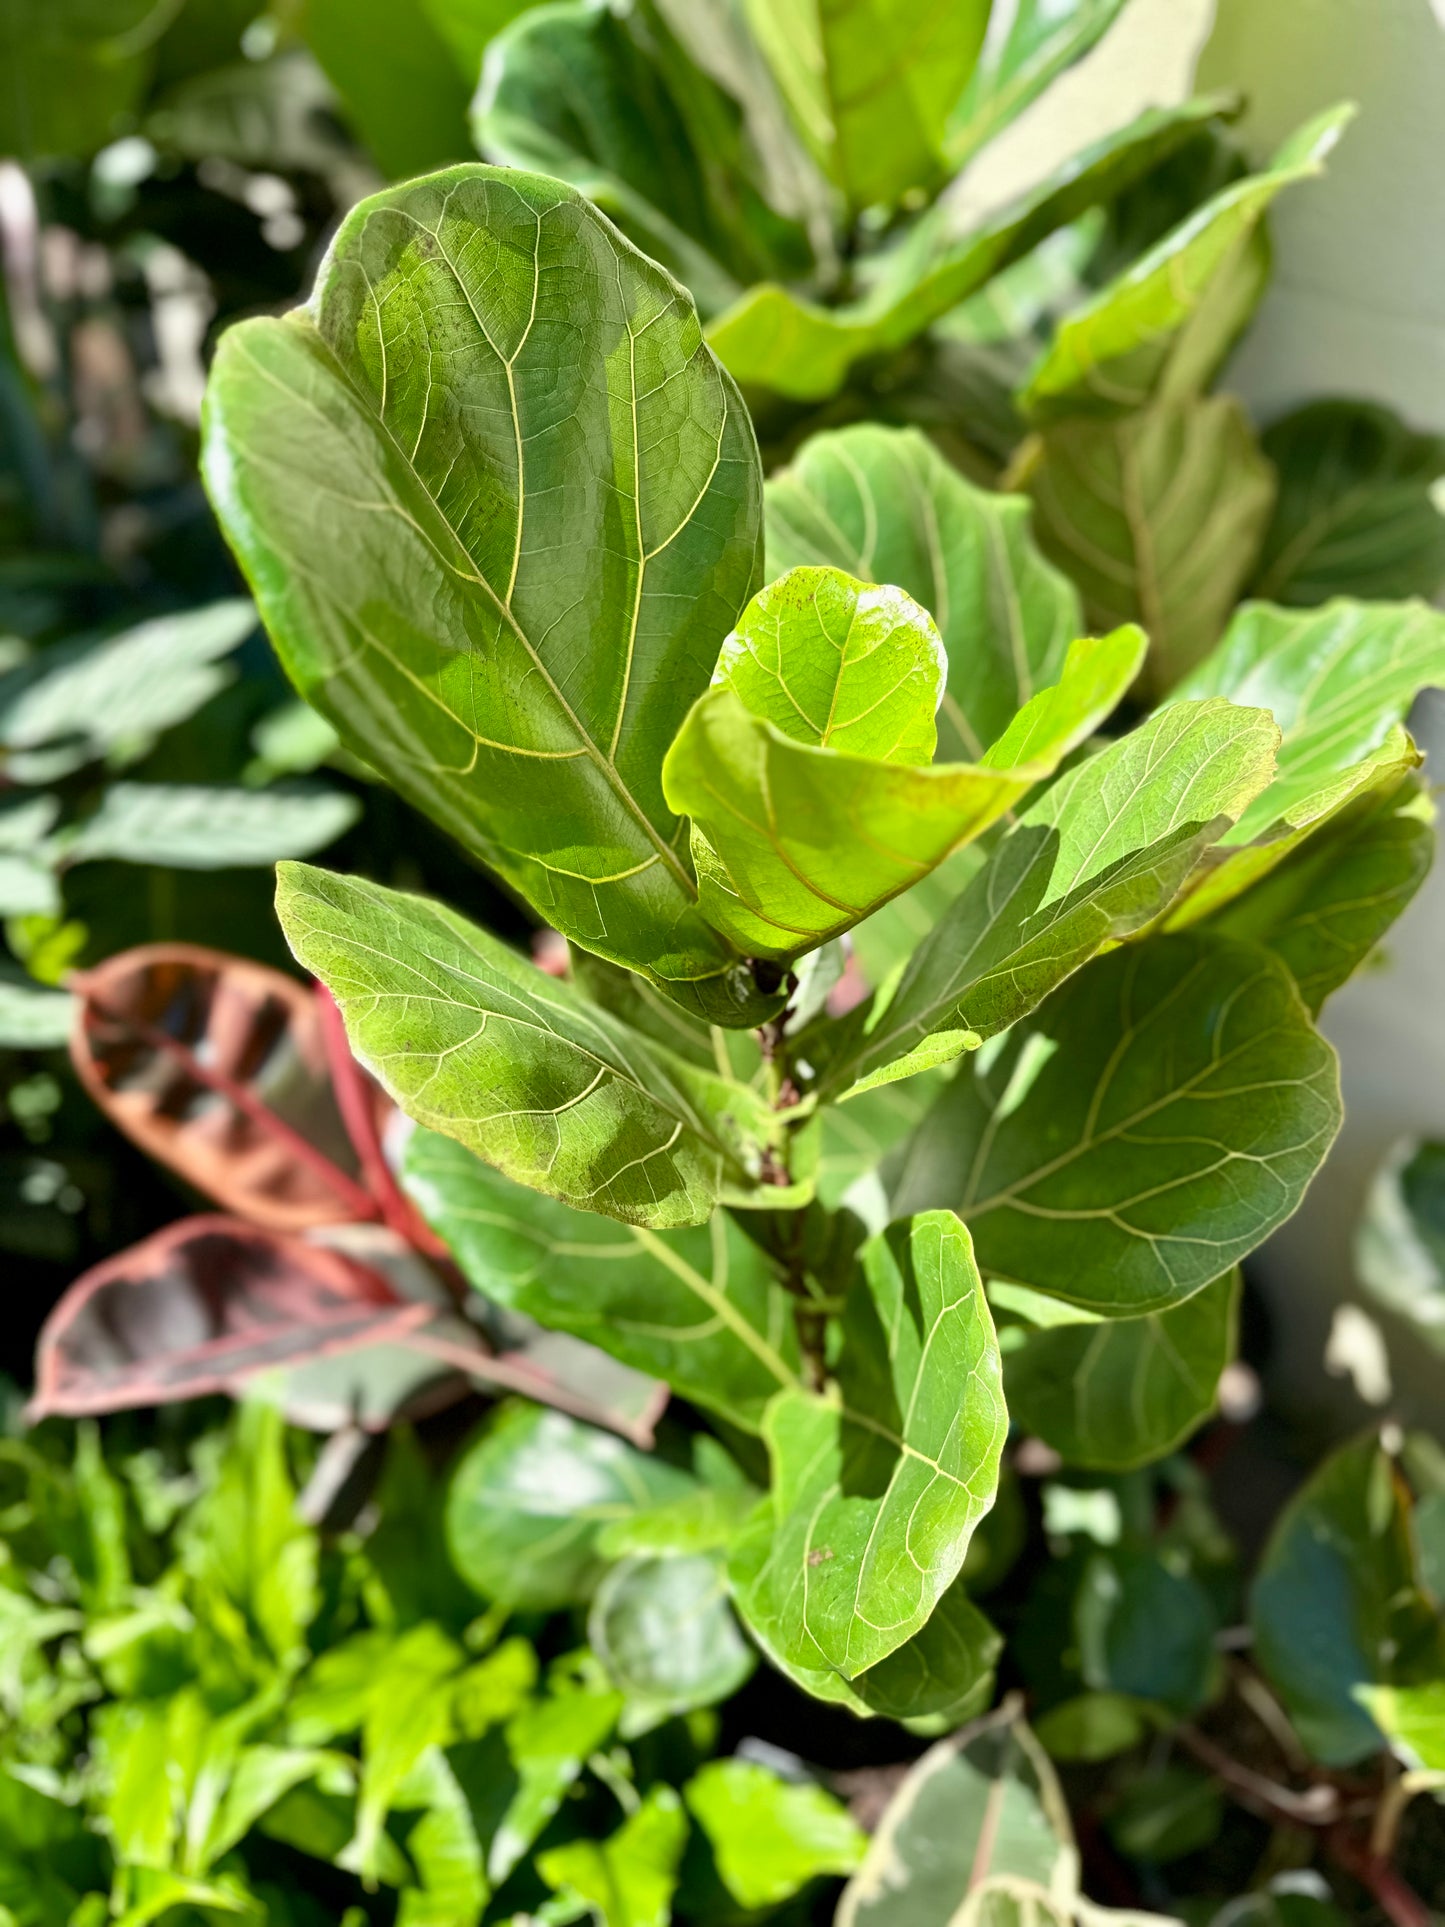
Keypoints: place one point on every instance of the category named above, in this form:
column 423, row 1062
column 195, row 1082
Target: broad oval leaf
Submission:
column 702, row 1309
column 880, row 1480
column 217, row 1067
column 527, row 1500
column 1158, row 517
column 532, row 502
column 884, row 505
column 1099, row 856
column 472, row 1040
column 1115, row 1394
column 1162, row 328
column 1356, row 515
column 770, row 1836
column 667, row 1638
column 1151, row 1123
column 199, row 1308
column 795, row 841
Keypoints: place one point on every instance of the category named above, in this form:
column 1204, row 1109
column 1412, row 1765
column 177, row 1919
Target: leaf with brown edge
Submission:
column 218, row 1067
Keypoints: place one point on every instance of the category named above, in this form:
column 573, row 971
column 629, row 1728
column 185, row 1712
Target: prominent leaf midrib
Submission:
column 502, row 604
column 718, row 1303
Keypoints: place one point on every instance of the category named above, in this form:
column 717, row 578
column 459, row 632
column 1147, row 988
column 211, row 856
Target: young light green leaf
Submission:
column 1158, row 517
column 872, row 83
column 883, row 504
column 527, row 1501
column 1355, row 515
column 702, row 1309
column 475, row 1042
column 629, row 1879
column 543, row 1751
column 800, row 349
column 1335, row 1607
column 511, row 590
column 608, row 100
column 1161, row 329
column 188, row 827
column 796, row 841
column 1413, row 1719
column 1115, row 1394
column 1040, row 39
column 879, row 1482
column 1151, row 1123
column 1099, row 856
column 770, row 1837
column 443, row 1847
column 1326, row 906
column 666, row 1637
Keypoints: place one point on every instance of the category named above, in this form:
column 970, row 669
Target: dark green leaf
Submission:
column 1115, row 1394
column 879, row 1482
column 1167, row 1813
column 72, row 69
column 1145, row 1629
column 1043, row 38
column 527, row 1501
column 770, row 1837
column 665, row 1634
column 702, row 1309
column 1356, row 515
column 1400, row 1244
column 1095, row 1726
column 1148, row 1126
column 473, row 1040
column 531, row 503
column 400, row 85
column 1158, row 517
column 884, row 505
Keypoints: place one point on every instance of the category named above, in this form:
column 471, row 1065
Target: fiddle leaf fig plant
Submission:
column 938, row 1027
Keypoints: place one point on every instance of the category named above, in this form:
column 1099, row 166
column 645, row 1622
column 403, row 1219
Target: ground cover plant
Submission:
column 793, row 1168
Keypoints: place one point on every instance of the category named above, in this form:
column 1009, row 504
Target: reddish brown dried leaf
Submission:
column 218, row 1067
column 202, row 1306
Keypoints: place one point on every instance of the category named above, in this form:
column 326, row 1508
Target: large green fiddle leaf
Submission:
column 880, row 1480
column 1042, row 39
column 528, row 1499
column 1100, row 855
column 474, row 1041
column 702, row 1309
column 1356, row 513
column 799, row 348
column 805, row 768
column 1141, row 1132
column 1161, row 329
column 872, row 83
column 663, row 1630
column 500, row 505
column 1158, row 517
column 1339, row 680
column 1112, row 1394
column 884, row 505
column 605, row 97
column 1336, row 1607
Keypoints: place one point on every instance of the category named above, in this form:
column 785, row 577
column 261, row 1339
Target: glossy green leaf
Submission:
column 666, row 1636
column 1339, row 680
column 872, row 83
column 1356, row 515
column 1327, row 905
column 531, row 502
column 189, row 827
column 1161, row 329
column 1100, row 854
column 474, row 1041
column 770, row 1837
column 1042, row 38
column 1147, row 1127
column 399, row 82
column 1158, row 517
column 1400, row 1242
column 796, row 840
column 879, row 1482
column 1413, row 1719
column 798, row 348
column 702, row 1309
column 527, row 1501
column 1114, row 1395
column 1335, row 1608
column 884, row 505
column 607, row 99
column 629, row 1879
